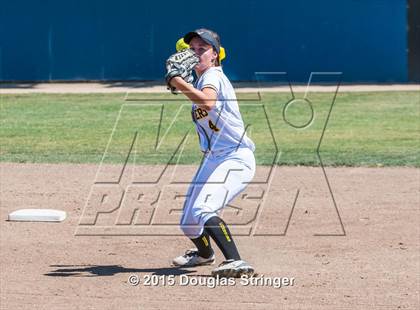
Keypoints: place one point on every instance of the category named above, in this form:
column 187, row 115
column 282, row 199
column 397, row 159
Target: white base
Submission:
column 37, row 215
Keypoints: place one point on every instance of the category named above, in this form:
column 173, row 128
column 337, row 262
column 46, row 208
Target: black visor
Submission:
column 208, row 36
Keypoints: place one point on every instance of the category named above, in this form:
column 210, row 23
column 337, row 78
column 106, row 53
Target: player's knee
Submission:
column 202, row 211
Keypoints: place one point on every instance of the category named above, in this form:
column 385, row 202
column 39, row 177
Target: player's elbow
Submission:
column 205, row 102
column 209, row 104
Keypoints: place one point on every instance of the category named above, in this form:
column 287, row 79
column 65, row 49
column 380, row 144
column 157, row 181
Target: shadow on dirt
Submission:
column 110, row 270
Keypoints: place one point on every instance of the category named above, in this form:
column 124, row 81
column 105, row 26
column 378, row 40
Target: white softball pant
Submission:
column 219, row 179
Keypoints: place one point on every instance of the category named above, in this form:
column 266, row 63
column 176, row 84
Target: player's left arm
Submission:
column 205, row 98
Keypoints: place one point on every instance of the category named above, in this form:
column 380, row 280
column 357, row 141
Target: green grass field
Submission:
column 364, row 129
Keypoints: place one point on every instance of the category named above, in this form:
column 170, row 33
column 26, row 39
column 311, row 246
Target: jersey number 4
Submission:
column 213, row 126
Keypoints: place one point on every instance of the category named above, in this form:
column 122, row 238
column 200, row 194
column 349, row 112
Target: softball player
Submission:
column 228, row 164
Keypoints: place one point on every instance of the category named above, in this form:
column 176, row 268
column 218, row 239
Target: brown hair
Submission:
column 217, row 60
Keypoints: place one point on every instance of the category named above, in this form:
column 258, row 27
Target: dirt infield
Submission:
column 160, row 87
column 374, row 266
